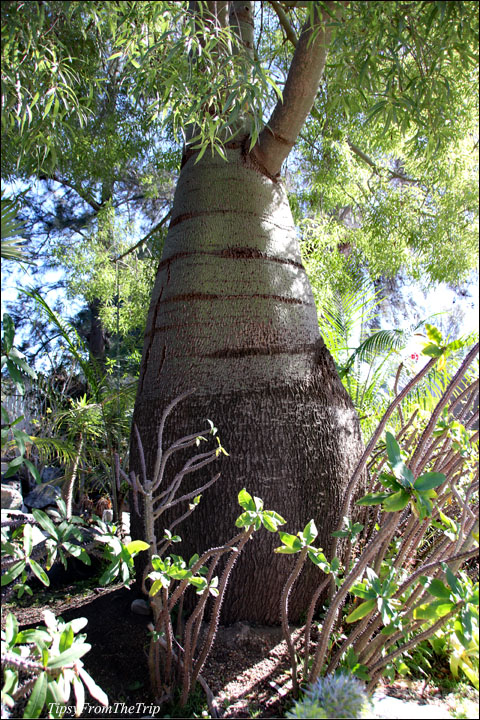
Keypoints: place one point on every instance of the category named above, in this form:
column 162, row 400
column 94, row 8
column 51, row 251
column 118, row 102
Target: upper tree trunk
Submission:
column 233, row 316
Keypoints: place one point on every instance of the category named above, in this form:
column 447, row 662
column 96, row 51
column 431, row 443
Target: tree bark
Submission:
column 96, row 336
column 306, row 69
column 233, row 317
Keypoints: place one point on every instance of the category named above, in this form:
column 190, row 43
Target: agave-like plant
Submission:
column 332, row 696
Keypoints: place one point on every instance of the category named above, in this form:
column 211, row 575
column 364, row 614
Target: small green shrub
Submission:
column 63, row 537
column 44, row 663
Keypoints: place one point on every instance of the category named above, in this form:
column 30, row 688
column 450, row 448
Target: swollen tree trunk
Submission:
column 232, row 317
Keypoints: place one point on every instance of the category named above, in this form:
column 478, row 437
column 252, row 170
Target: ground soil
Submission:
column 247, row 671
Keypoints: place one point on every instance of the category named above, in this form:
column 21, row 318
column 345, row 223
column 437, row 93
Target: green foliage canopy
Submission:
column 101, row 96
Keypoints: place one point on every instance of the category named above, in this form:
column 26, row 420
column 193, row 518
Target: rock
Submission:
column 42, row 496
column 11, row 497
column 244, row 632
column 391, row 708
column 16, row 516
column 140, row 607
column 50, row 472
column 107, row 516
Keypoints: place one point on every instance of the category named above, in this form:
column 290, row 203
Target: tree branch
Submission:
column 371, row 163
column 285, row 22
column 147, row 236
column 278, row 137
column 81, row 193
column 241, row 21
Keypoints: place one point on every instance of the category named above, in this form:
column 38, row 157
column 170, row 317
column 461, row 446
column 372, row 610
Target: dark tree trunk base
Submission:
column 294, row 447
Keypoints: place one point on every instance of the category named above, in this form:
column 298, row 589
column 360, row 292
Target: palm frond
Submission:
column 54, row 448
column 379, row 343
column 12, row 249
column 11, row 243
column 73, row 340
column 346, row 314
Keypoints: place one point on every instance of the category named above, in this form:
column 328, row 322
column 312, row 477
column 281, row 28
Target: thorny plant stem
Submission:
column 157, row 476
column 410, row 643
column 162, row 604
column 154, row 664
column 361, row 637
column 377, row 649
column 22, row 691
column 210, row 698
column 373, row 441
column 342, row 592
column 470, row 389
column 196, row 629
column 284, row 615
column 470, row 490
column 418, row 454
column 407, row 535
column 376, row 622
column 357, row 632
column 190, row 495
column 193, row 464
column 167, row 624
column 189, row 649
column 178, row 592
column 69, row 483
column 215, row 616
column 308, row 625
column 192, row 628
column 365, row 629
column 395, row 390
column 14, row 660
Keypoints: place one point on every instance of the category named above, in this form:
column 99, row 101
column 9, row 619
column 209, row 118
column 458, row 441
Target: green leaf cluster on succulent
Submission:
column 292, row 544
column 376, row 594
column 255, row 514
column 440, row 348
column 401, row 487
column 174, row 567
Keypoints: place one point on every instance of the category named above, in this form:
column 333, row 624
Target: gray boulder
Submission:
column 140, row 607
column 11, row 496
column 42, row 496
column 50, row 472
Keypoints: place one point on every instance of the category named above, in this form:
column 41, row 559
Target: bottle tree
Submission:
column 232, row 315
